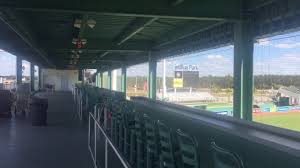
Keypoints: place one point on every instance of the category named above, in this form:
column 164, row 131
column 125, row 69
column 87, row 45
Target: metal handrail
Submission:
column 97, row 126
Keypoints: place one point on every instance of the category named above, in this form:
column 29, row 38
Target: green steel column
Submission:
column 96, row 81
column 80, row 75
column 243, row 70
column 152, row 77
column 109, row 79
column 19, row 70
column 101, row 80
column 123, row 80
column 32, row 76
column 40, row 77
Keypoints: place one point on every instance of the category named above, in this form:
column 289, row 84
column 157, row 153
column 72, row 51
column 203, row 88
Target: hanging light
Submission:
column 77, row 23
column 91, row 23
column 83, row 41
column 74, row 40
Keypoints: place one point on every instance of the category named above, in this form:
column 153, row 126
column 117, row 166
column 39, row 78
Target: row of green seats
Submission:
column 146, row 143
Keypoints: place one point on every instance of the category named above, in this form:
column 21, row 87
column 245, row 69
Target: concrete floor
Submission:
column 61, row 144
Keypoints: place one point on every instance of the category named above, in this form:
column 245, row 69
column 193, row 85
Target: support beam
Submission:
column 19, row 27
column 32, row 77
column 40, row 77
column 97, row 45
column 123, row 79
column 192, row 9
column 101, row 80
column 133, row 28
column 19, row 70
column 152, row 77
column 97, row 78
column 109, row 79
column 243, row 70
column 80, row 75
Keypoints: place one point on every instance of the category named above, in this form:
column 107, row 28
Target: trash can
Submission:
column 38, row 110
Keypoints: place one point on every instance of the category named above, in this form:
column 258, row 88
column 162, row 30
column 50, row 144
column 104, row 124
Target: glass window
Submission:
column 136, row 83
column 277, row 81
column 202, row 80
column 116, row 79
column 7, row 70
column 25, row 71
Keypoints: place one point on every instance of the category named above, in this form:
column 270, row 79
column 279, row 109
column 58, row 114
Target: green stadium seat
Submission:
column 152, row 159
column 140, row 140
column 188, row 154
column 128, row 120
column 166, row 146
column 223, row 158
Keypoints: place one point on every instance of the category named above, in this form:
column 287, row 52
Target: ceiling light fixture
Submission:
column 77, row 23
column 91, row 23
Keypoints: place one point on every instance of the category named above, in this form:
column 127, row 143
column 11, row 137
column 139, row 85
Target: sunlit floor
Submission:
column 62, row 144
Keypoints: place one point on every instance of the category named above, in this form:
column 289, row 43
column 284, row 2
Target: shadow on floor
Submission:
column 61, row 144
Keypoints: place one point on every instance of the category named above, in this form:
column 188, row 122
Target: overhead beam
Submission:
column 23, row 32
column 185, row 31
column 192, row 9
column 98, row 45
column 133, row 28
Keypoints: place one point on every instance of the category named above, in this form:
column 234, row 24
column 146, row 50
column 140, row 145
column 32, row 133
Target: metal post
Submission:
column 243, row 70
column 95, row 143
column 124, row 76
column 40, row 78
column 109, row 79
column 80, row 75
column 101, row 80
column 32, row 77
column 19, row 70
column 96, row 81
column 152, row 77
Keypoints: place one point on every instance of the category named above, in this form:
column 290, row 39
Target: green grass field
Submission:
column 284, row 120
column 290, row 120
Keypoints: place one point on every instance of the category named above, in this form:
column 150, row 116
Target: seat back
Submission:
column 223, row 158
column 151, row 142
column 187, row 150
column 166, row 148
column 139, row 127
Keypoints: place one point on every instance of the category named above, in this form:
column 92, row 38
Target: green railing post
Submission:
column 152, row 77
column 243, row 70
column 123, row 79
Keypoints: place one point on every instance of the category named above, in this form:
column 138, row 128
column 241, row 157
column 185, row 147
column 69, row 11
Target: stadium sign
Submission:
column 182, row 67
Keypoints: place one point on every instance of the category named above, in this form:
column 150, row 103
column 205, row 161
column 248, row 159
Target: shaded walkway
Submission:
column 62, row 144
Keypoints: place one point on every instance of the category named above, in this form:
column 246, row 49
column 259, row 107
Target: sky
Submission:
column 278, row 55
column 274, row 55
column 8, row 64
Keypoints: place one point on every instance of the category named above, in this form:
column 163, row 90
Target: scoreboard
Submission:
column 186, row 76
